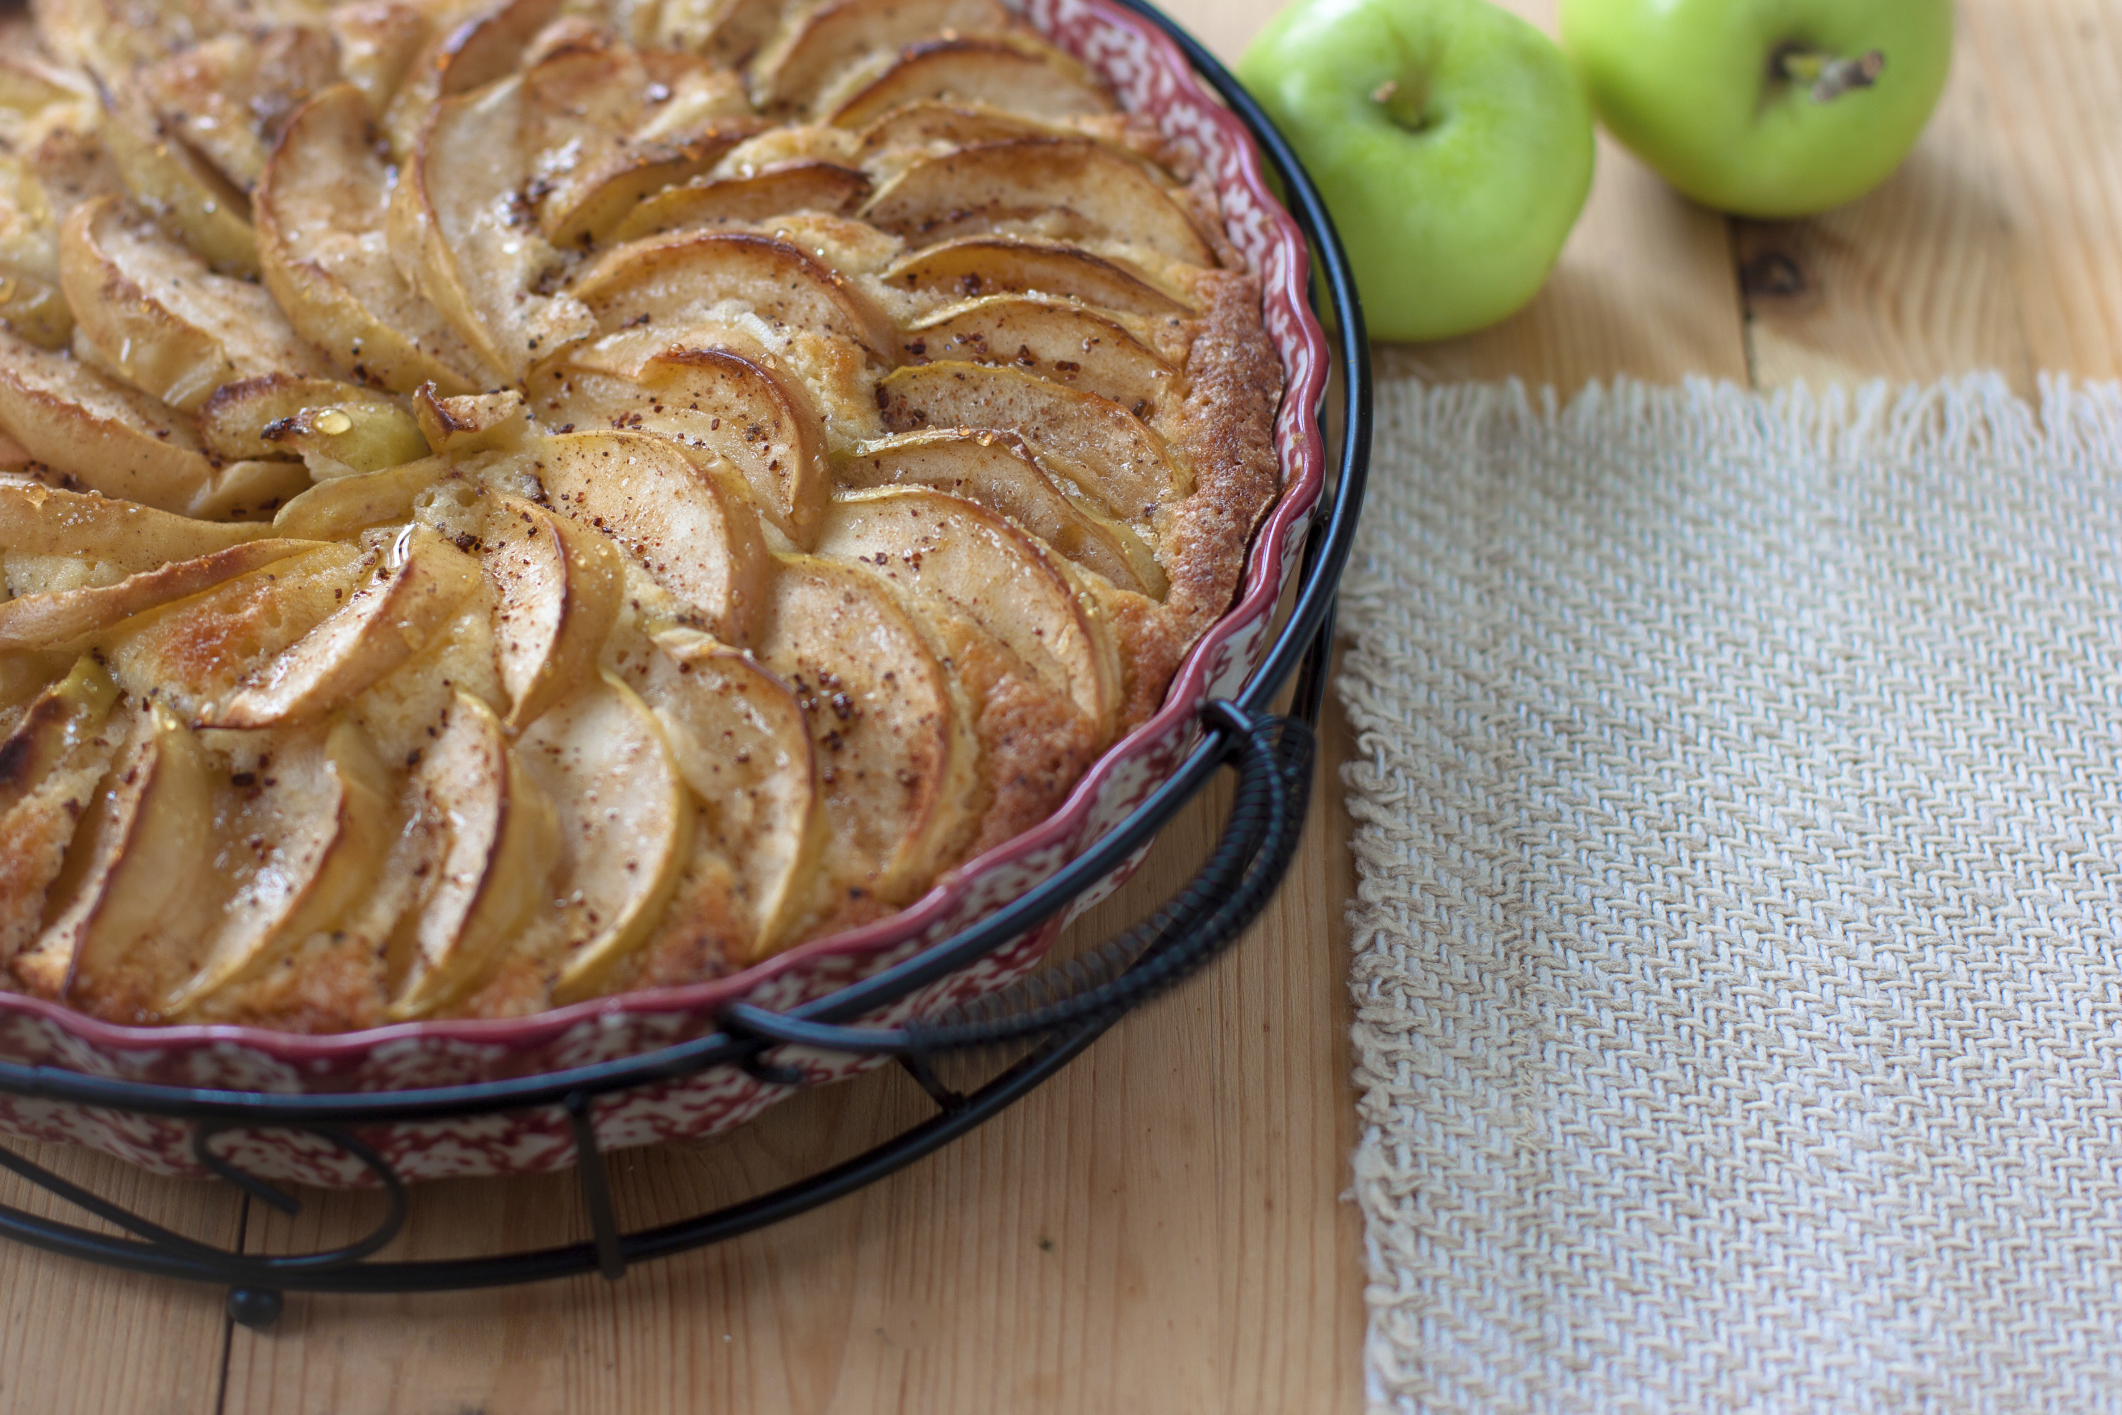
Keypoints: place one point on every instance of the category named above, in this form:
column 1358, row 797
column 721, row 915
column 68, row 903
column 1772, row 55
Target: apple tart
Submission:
column 510, row 503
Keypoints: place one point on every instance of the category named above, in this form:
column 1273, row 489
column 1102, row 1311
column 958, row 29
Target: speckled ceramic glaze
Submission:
column 1150, row 76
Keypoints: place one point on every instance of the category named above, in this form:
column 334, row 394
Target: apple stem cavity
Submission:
column 1829, row 75
column 1403, row 109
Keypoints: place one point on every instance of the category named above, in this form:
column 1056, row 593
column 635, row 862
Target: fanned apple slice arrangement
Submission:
column 510, row 503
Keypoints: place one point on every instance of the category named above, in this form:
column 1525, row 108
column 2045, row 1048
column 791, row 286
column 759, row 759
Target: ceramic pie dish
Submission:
column 1151, row 79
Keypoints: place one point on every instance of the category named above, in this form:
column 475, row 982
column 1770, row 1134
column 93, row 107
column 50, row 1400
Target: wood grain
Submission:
column 78, row 1338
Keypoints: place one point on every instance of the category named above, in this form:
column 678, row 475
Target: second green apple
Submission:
column 1766, row 108
column 1451, row 140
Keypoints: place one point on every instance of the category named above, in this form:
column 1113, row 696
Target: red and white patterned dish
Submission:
column 1151, row 76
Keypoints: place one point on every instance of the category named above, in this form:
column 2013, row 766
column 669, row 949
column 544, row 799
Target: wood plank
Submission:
column 1644, row 287
column 1162, row 1217
column 1914, row 280
column 79, row 1338
column 2051, row 71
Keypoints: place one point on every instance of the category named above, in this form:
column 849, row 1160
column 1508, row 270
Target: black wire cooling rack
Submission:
column 1046, row 1020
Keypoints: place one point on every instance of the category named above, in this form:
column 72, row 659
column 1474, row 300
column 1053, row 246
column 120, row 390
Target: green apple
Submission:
column 1451, row 140
column 1767, row 108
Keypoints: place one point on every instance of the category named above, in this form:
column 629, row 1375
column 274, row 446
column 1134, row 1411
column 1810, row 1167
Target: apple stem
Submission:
column 1828, row 75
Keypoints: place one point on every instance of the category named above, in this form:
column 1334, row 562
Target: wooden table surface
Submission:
column 1161, row 1227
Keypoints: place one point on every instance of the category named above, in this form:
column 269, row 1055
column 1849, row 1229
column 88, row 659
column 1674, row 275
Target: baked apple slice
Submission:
column 128, row 927
column 676, row 281
column 458, row 224
column 932, row 546
column 230, row 96
column 625, row 821
column 1005, row 265
column 338, row 429
column 378, row 40
column 1055, row 339
column 742, row 744
column 60, row 619
column 725, row 32
column 168, row 177
column 176, row 330
column 65, row 540
column 499, row 839
column 474, row 46
column 716, row 405
column 106, row 436
column 195, row 651
column 1072, row 189
column 333, row 510
column 1118, row 462
column 693, row 536
column 416, row 590
column 998, row 471
column 49, row 767
column 558, row 588
column 818, row 44
column 321, row 206
column 319, row 826
column 773, row 190
column 471, row 422
column 1013, row 73
column 898, row 762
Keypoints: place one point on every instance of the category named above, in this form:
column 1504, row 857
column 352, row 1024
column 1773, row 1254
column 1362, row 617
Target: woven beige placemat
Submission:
column 1739, row 804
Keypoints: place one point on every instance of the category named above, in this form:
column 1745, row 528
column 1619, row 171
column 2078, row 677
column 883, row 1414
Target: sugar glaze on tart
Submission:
column 511, row 503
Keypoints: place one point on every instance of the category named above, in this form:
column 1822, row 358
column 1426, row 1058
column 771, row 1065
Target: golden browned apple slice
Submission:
column 1015, row 74
column 718, row 406
column 104, row 435
column 384, row 622
column 626, row 824
column 1055, row 339
column 378, row 41
column 998, row 471
column 696, row 538
column 942, row 126
column 167, row 177
column 600, row 209
column 30, row 298
column 604, row 133
column 456, row 222
column 1003, row 265
column 471, row 422
column 111, row 36
column 688, row 278
column 321, row 207
column 64, row 540
column 1118, row 462
column 501, row 838
column 348, row 438
column 725, row 32
column 1072, row 189
column 230, row 96
column 318, row 826
column 194, row 651
column 49, row 766
column 172, row 327
column 932, row 545
column 335, row 509
column 238, row 421
column 130, row 926
column 33, row 623
column 744, row 747
column 466, row 51
column 816, row 45
column 558, row 588
column 771, row 191
column 898, row 762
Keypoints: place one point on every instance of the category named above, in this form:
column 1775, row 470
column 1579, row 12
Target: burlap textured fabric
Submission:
column 1739, row 810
